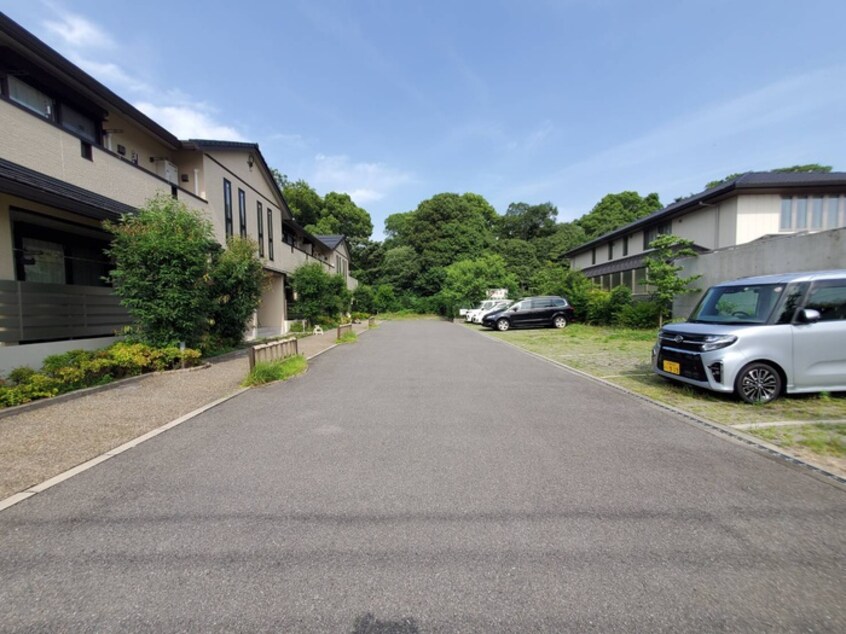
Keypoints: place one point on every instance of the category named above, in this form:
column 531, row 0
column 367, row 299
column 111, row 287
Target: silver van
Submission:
column 761, row 336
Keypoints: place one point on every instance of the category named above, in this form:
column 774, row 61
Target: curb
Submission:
column 710, row 426
column 43, row 486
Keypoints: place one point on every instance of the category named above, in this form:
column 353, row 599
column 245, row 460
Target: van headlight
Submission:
column 716, row 342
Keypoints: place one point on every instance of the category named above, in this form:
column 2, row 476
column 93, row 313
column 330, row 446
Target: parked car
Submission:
column 500, row 305
column 531, row 312
column 484, row 306
column 761, row 336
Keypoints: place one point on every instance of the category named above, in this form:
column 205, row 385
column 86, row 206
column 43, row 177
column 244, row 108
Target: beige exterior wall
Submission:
column 138, row 142
column 272, row 311
column 700, row 226
column 47, row 149
column 757, row 216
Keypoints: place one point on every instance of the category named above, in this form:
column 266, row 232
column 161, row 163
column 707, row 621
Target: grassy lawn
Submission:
column 623, row 357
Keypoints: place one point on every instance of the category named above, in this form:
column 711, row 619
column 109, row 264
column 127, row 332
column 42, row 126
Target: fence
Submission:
column 31, row 311
column 344, row 329
column 273, row 351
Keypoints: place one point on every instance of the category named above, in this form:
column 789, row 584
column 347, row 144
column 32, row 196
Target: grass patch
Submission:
column 347, row 337
column 270, row 371
column 623, row 356
column 826, row 440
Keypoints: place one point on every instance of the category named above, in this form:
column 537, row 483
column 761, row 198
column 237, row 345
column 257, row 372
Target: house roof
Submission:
column 24, row 182
column 331, row 241
column 38, row 53
column 750, row 182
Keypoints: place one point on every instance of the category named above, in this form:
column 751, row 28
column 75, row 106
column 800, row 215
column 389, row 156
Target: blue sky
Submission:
column 393, row 101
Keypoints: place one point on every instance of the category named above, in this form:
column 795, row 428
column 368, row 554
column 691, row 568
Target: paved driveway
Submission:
column 427, row 479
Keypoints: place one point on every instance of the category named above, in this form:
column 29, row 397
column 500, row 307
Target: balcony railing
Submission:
column 30, row 312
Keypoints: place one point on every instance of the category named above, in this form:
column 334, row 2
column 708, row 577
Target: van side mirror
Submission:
column 809, row 316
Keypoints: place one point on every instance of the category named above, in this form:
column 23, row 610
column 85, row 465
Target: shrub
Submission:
column 237, row 281
column 21, row 375
column 640, row 315
column 161, row 270
column 319, row 294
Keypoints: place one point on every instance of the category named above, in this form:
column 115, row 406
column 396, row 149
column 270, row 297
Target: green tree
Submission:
column 468, row 281
column 567, row 236
column 397, row 229
column 237, row 281
column 343, row 216
column 364, row 299
column 319, row 294
column 450, row 227
column 367, row 257
column 527, row 222
column 662, row 272
column 305, row 204
column 521, row 260
column 617, row 210
column 384, row 299
column 279, row 178
column 161, row 257
column 401, row 268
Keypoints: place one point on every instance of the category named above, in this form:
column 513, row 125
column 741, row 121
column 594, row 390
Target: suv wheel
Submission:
column 502, row 325
column 758, row 383
column 560, row 321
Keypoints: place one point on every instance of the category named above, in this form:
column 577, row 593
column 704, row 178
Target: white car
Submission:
column 484, row 307
column 499, row 305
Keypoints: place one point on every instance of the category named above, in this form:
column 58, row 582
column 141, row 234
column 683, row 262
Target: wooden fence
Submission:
column 273, row 351
column 344, row 329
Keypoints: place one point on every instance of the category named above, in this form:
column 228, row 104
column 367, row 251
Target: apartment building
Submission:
column 73, row 154
column 744, row 209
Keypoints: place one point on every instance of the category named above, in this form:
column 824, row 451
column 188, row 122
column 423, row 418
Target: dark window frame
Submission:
column 270, row 233
column 227, row 208
column 260, row 223
column 242, row 213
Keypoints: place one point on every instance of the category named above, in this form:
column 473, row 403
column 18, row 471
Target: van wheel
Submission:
column 758, row 383
column 502, row 325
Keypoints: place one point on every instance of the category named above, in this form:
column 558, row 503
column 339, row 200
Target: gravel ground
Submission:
column 40, row 442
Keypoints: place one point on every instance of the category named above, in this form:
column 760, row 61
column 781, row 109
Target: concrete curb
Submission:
column 43, row 486
column 710, row 426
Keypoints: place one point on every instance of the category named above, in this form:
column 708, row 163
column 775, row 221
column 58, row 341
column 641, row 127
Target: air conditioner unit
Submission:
column 167, row 171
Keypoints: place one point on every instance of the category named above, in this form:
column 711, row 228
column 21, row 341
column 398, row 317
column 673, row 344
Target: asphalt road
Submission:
column 428, row 479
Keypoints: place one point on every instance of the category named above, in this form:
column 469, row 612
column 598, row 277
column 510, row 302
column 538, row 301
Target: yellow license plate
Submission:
column 672, row 367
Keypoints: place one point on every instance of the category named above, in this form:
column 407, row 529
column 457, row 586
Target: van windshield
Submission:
column 751, row 304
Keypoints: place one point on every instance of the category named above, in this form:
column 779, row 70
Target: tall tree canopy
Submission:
column 306, row 204
column 527, row 222
column 450, row 227
column 617, row 210
column 340, row 215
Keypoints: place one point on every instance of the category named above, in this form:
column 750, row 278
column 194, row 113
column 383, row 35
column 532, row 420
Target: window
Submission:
column 593, row 255
column 242, row 212
column 817, row 212
column 665, row 228
column 78, row 123
column 640, row 281
column 227, row 207
column 85, row 150
column 829, row 298
column 802, row 213
column 625, row 246
column 260, row 225
column 824, row 213
column 269, row 233
column 31, row 98
column 611, row 250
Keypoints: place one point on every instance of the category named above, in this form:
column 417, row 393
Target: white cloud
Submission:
column 189, row 123
column 364, row 182
column 78, row 32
